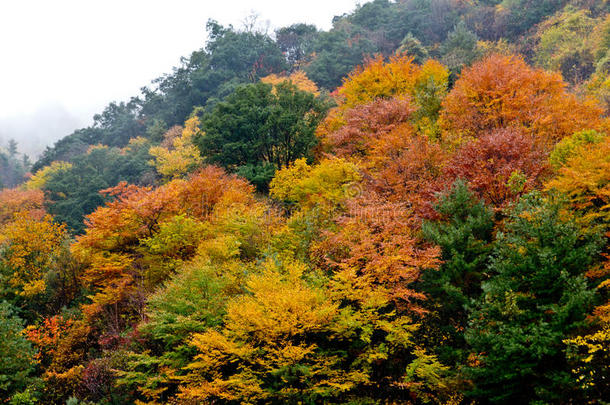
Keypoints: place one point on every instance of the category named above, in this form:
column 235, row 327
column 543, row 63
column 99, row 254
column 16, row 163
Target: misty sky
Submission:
column 63, row 60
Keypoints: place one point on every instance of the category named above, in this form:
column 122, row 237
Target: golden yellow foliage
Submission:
column 39, row 179
column 182, row 157
column 326, row 184
column 29, row 249
column 265, row 333
column 297, row 78
column 585, row 179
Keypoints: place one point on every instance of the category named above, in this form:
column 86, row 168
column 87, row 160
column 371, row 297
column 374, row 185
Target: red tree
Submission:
column 500, row 165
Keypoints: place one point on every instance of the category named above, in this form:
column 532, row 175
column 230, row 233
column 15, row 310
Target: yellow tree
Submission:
column 328, row 183
column 29, row 248
column 40, row 178
column 318, row 192
column 378, row 79
column 271, row 333
column 585, row 179
column 179, row 156
column 298, row 337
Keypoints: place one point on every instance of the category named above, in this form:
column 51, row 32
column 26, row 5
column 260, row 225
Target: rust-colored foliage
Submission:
column 366, row 125
column 502, row 91
column 378, row 126
column 500, row 165
column 15, row 200
column 398, row 164
column 399, row 78
column 412, row 173
column 137, row 211
column 376, row 251
column 46, row 337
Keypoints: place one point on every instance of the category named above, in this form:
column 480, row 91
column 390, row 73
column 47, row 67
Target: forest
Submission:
column 412, row 207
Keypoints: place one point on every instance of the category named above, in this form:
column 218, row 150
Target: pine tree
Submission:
column 537, row 296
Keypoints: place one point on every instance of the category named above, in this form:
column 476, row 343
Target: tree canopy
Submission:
column 410, row 207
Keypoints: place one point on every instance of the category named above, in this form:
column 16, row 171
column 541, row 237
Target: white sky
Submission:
column 61, row 61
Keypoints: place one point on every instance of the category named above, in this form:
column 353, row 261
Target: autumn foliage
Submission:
column 503, row 91
column 442, row 238
column 297, row 78
column 500, row 165
column 120, row 237
column 15, row 200
column 180, row 156
column 30, row 246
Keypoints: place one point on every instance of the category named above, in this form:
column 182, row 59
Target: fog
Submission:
column 33, row 131
column 64, row 60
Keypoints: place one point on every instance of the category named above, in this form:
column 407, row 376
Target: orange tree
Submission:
column 502, row 91
column 16, row 200
column 123, row 238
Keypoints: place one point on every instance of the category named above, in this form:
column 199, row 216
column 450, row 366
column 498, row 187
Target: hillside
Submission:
column 412, row 207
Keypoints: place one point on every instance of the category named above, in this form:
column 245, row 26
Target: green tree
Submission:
column 17, row 359
column 68, row 148
column 229, row 59
column 564, row 44
column 336, row 53
column 536, row 297
column 413, row 47
column 12, row 148
column 74, row 193
column 261, row 126
column 513, row 18
column 464, row 234
column 190, row 303
column 119, row 124
column 460, row 48
column 12, row 167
